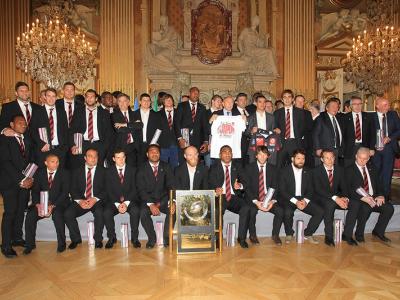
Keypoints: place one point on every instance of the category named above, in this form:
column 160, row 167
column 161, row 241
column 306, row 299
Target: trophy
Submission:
column 379, row 140
column 44, row 203
column 268, row 197
column 156, row 136
column 78, row 141
column 30, row 170
column 43, row 135
column 230, row 234
column 362, row 192
column 159, row 233
column 185, row 135
column 337, row 230
column 90, row 232
column 300, row 231
column 124, row 236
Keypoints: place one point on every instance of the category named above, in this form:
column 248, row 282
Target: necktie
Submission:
column 336, row 130
column 330, row 178
column 129, row 138
column 366, row 184
column 90, row 125
column 358, row 128
column 227, row 184
column 287, row 126
column 169, row 119
column 121, row 176
column 384, row 125
column 69, row 113
column 155, row 172
column 261, row 190
column 193, row 112
column 51, row 122
column 28, row 114
column 50, row 179
column 21, row 146
column 88, row 193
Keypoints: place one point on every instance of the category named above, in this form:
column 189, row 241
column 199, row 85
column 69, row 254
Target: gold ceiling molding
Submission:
column 345, row 3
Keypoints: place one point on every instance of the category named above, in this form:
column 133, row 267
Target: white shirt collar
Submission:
column 24, row 103
column 48, row 107
column 154, row 165
column 54, row 172
column 259, row 165
column 123, row 168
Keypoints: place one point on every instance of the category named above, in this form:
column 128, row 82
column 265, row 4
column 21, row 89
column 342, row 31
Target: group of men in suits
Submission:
column 128, row 161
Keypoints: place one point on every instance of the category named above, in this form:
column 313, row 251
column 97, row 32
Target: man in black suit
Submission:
column 330, row 192
column 167, row 140
column 191, row 175
column 190, row 115
column 88, row 192
column 228, row 109
column 54, row 180
column 68, row 105
column 388, row 121
column 154, row 181
column 21, row 106
column 299, row 102
column 15, row 154
column 292, row 127
column 296, row 192
column 55, row 140
column 358, row 131
column 121, row 198
column 95, row 126
column 148, row 123
column 224, row 178
column 259, row 177
column 360, row 175
column 126, row 128
column 252, row 107
column 328, row 131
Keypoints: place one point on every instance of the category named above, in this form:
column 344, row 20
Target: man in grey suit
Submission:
column 259, row 120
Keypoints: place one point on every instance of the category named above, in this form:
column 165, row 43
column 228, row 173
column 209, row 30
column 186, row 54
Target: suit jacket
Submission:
column 11, row 109
column 116, row 190
column 252, row 122
column 152, row 125
column 354, row 180
column 59, row 191
column 287, row 185
column 78, row 184
column 60, row 107
column 151, row 190
column 198, row 129
column 250, row 180
column 393, row 127
column 299, row 122
column 324, row 134
column 121, row 135
column 322, row 190
column 216, row 176
column 349, row 134
column 12, row 162
column 251, row 108
column 200, row 181
column 167, row 137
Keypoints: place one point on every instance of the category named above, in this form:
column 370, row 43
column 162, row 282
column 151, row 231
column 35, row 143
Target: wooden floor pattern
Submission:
column 370, row 271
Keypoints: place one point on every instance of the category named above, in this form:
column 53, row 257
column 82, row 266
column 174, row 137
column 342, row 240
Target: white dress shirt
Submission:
column 192, row 172
column 261, row 120
column 127, row 202
column 145, row 119
column 371, row 190
column 95, row 129
column 327, row 174
column 298, row 174
column 354, row 122
column 93, row 171
column 54, row 141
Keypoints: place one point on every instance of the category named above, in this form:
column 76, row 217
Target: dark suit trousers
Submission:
column 134, row 214
column 238, row 206
column 329, row 207
column 32, row 218
column 276, row 210
column 385, row 213
column 312, row 209
column 15, row 201
column 147, row 222
column 284, row 155
column 383, row 161
column 74, row 211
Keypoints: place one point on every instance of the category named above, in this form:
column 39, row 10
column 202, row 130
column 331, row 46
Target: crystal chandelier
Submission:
column 373, row 63
column 52, row 54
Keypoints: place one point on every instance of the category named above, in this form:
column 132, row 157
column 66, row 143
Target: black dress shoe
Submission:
column 277, row 240
column 360, row 239
column 383, row 238
column 110, row 243
column 98, row 245
column 27, row 251
column 61, row 248
column 243, row 243
column 329, row 242
column 18, row 243
column 254, row 239
column 150, row 245
column 73, row 245
column 136, row 244
column 9, row 252
column 349, row 241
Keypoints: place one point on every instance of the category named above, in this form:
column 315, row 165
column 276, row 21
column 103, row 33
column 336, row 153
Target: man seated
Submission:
column 360, row 175
column 154, row 181
column 224, row 178
column 259, row 177
column 296, row 192
column 121, row 198
column 55, row 181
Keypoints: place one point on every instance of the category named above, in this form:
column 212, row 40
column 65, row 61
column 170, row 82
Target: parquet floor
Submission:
column 370, row 271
